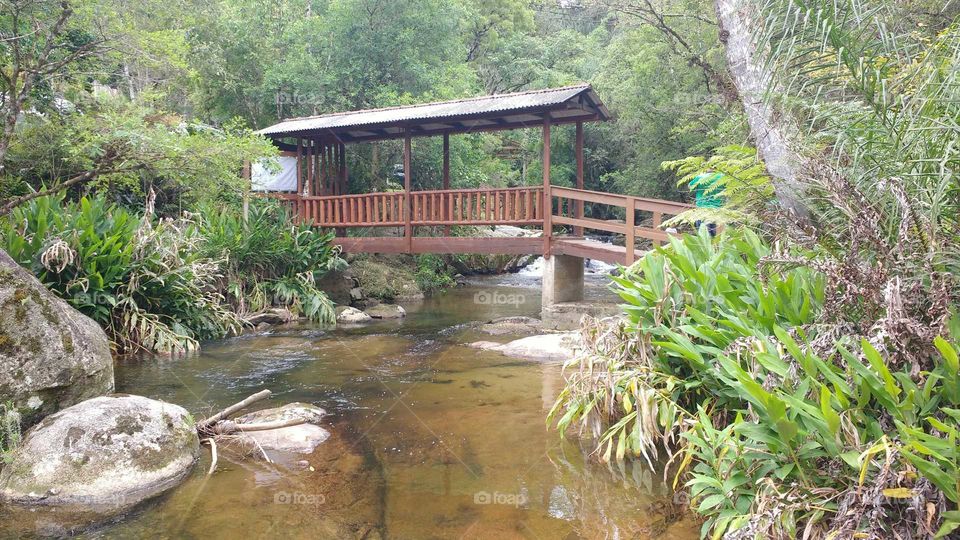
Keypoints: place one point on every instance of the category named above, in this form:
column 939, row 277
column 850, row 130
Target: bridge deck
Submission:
column 544, row 207
column 559, row 245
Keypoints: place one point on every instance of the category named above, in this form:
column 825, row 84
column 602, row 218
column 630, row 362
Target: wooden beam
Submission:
column 407, row 210
column 459, row 128
column 446, row 171
column 547, row 196
column 578, row 205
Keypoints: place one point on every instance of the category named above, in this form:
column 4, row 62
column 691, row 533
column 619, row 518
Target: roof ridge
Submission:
column 430, row 103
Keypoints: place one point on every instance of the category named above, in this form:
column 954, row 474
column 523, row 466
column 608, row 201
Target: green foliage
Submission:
column 432, row 273
column 164, row 286
column 744, row 186
column 133, row 149
column 269, row 260
column 144, row 282
column 10, row 435
column 778, row 424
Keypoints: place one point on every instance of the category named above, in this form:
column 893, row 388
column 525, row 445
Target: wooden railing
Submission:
column 569, row 212
column 507, row 206
column 369, row 210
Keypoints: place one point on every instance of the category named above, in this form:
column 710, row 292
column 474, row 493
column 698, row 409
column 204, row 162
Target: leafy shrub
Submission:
column 143, row 282
column 780, row 426
column 270, row 260
column 163, row 286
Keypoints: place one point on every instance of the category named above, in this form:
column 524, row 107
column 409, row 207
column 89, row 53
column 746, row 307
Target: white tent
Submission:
column 262, row 179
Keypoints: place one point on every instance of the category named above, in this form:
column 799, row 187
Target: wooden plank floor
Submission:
column 591, row 249
column 574, row 246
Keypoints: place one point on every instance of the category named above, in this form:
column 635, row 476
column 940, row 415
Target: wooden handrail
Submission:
column 630, row 205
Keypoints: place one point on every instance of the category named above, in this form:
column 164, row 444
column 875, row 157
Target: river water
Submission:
column 431, row 438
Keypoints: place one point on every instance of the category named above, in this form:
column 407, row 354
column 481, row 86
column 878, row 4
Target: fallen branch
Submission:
column 208, row 424
column 228, row 427
column 213, row 454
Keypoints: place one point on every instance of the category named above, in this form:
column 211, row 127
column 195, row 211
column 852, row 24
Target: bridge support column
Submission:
column 562, row 280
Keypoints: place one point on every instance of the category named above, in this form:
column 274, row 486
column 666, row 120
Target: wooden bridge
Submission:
column 318, row 189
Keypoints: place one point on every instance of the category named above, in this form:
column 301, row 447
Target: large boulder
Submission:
column 102, row 455
column 51, row 355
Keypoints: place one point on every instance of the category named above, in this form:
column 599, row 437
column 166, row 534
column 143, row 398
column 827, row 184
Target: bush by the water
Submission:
column 164, row 285
column 778, row 423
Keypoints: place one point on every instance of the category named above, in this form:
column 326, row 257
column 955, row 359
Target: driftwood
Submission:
column 219, row 426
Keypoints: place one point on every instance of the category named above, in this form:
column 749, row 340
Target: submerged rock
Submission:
column 569, row 315
column 386, row 311
column 302, row 438
column 103, row 455
column 511, row 325
column 351, row 315
column 51, row 355
column 560, row 346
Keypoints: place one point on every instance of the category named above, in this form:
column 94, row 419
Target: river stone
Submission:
column 105, row 455
column 303, row 438
column 351, row 315
column 386, row 311
column 511, row 325
column 51, row 355
column 559, row 346
column 276, row 315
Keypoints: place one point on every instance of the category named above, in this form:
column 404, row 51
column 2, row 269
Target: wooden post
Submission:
column 247, row 186
column 578, row 205
column 657, row 219
column 631, row 238
column 298, row 201
column 446, row 172
column 547, row 197
column 407, row 225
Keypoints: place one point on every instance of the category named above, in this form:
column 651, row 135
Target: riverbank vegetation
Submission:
column 163, row 285
column 801, row 370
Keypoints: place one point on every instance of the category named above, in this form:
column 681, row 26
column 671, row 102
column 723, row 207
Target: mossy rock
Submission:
column 387, row 279
column 51, row 355
column 103, row 455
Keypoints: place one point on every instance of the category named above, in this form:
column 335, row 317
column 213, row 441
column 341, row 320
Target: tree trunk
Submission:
column 772, row 133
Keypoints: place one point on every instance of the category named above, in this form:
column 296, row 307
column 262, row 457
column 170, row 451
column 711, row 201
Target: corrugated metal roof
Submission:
column 482, row 106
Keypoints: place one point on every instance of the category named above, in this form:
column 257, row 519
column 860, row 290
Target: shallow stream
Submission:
column 431, row 438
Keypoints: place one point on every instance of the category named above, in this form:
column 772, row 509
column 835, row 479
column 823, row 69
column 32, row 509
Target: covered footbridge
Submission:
column 314, row 149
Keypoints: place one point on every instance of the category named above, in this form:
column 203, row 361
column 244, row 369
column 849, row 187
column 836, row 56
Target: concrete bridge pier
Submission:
column 562, row 280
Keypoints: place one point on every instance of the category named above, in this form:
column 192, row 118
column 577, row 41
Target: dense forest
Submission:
column 798, row 372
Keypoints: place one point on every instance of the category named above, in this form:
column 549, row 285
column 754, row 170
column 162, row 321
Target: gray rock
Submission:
column 103, row 455
column 569, row 315
column 386, row 311
column 337, row 285
column 356, row 294
column 302, row 439
column 547, row 347
column 511, row 325
column 276, row 315
column 51, row 355
column 351, row 315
